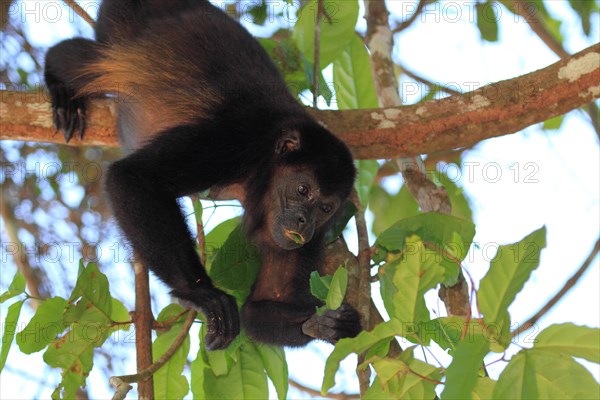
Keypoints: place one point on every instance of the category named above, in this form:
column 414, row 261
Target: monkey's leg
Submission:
column 297, row 324
column 143, row 189
column 63, row 75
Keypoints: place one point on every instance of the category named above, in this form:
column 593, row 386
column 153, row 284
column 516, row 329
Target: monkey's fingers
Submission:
column 334, row 325
column 68, row 111
column 223, row 322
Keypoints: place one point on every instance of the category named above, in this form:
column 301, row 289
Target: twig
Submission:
column 364, row 284
column 10, row 227
column 143, row 328
column 316, row 393
column 413, row 17
column 413, row 75
column 81, row 12
column 530, row 13
column 568, row 285
column 317, row 54
column 147, row 373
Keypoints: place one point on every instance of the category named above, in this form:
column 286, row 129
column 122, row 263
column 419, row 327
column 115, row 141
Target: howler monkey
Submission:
column 200, row 105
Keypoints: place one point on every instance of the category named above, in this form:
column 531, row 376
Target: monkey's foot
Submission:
column 333, row 325
column 68, row 111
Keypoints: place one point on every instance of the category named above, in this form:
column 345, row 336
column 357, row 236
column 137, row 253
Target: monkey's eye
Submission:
column 327, row 208
column 303, row 190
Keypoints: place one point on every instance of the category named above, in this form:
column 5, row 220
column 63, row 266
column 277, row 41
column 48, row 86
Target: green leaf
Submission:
column 246, row 378
column 509, row 270
column 324, row 89
column 45, row 326
column 319, row 285
column 88, row 312
column 487, row 21
column 74, row 354
column 169, row 383
column 215, row 239
column 453, row 236
column 462, row 374
column 417, row 272
column 258, row 12
column 337, row 289
column 388, row 208
column 554, row 123
column 585, row 9
column 484, row 389
column 119, row 314
column 353, row 77
column 337, row 31
column 362, row 342
column 273, row 359
column 91, row 290
column 10, row 327
column 340, row 221
column 447, row 331
column 542, row 374
column 235, row 265
column 403, row 378
column 16, row 287
column 578, row 341
column 198, row 368
column 366, row 173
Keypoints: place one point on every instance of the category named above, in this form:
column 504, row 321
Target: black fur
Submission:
column 206, row 108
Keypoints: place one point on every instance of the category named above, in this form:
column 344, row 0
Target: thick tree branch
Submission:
column 494, row 110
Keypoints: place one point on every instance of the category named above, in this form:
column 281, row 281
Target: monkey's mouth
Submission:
column 294, row 237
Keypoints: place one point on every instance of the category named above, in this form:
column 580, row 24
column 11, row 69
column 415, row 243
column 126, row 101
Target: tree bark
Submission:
column 494, row 110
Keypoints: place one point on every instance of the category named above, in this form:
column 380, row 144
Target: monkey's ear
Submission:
column 289, row 141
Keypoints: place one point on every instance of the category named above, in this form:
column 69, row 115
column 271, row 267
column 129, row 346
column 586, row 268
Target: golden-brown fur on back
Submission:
column 167, row 89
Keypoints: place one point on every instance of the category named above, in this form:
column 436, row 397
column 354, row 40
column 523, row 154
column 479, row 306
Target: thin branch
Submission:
column 143, row 328
column 530, row 13
column 568, row 285
column 81, row 12
column 10, row 227
column 316, row 393
column 405, row 24
column 147, row 373
column 364, row 285
column 445, row 88
column 317, row 54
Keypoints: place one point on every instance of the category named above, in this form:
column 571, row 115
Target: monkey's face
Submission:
column 296, row 207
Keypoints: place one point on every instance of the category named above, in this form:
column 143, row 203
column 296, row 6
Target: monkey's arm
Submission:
column 297, row 324
column 143, row 189
column 281, row 309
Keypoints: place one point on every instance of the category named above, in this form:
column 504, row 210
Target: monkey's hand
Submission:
column 68, row 111
column 333, row 325
column 222, row 317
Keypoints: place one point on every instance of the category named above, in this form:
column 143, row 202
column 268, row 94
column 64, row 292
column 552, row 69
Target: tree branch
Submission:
column 146, row 374
column 143, row 322
column 408, row 22
column 494, row 110
column 317, row 393
column 568, row 285
column 81, row 12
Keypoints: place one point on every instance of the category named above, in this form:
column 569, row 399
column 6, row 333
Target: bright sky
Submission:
column 545, row 178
